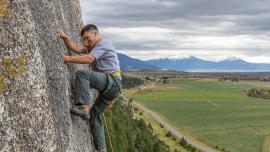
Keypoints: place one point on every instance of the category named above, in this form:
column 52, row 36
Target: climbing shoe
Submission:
column 82, row 111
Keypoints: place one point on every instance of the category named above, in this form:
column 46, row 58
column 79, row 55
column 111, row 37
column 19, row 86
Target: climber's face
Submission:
column 90, row 39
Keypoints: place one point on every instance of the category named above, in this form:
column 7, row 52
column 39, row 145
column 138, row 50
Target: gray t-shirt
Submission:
column 106, row 57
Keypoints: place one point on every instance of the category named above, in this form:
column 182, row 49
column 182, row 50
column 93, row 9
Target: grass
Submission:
column 216, row 112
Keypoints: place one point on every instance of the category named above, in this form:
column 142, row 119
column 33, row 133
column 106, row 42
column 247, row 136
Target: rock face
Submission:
column 35, row 84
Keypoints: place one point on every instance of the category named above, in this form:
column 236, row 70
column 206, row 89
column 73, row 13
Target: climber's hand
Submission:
column 61, row 34
column 65, row 58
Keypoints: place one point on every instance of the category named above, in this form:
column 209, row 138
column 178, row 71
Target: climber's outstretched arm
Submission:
column 69, row 43
column 82, row 59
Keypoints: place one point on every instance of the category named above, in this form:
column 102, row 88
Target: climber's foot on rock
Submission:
column 82, row 111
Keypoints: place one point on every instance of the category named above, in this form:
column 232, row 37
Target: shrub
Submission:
column 168, row 134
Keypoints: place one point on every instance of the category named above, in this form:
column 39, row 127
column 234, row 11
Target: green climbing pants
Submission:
column 109, row 88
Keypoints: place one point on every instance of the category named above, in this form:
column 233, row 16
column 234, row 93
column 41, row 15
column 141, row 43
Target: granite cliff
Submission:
column 35, row 84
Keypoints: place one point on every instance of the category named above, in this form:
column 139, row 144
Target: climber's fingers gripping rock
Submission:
column 65, row 58
column 61, row 34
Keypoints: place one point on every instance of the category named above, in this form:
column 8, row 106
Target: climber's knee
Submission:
column 80, row 73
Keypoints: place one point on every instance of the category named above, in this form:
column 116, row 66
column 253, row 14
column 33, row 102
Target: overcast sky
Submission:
column 208, row 29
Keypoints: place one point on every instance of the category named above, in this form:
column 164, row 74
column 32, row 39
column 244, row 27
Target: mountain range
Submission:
column 191, row 64
column 131, row 64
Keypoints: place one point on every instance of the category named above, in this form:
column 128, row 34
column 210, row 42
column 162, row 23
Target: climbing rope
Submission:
column 108, row 132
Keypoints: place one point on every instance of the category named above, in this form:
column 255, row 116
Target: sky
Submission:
column 208, row 29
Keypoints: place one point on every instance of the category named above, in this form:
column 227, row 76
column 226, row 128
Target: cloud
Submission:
column 233, row 28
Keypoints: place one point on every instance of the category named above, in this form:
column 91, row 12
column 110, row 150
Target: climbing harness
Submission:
column 113, row 88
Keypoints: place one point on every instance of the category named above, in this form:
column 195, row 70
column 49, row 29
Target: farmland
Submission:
column 216, row 112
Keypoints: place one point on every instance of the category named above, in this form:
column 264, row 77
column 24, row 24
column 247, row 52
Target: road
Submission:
column 191, row 141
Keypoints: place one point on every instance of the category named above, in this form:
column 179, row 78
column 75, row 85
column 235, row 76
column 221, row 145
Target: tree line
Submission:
column 259, row 93
column 130, row 135
column 130, row 82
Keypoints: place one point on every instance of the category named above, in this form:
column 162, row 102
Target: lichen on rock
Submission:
column 14, row 67
column 2, row 83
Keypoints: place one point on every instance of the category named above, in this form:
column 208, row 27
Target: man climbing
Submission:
column 106, row 78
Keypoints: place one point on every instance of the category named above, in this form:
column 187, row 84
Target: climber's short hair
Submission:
column 89, row 27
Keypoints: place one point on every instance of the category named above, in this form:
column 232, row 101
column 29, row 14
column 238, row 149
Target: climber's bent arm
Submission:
column 82, row 59
column 73, row 46
column 69, row 43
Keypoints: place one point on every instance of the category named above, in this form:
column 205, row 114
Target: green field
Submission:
column 216, row 112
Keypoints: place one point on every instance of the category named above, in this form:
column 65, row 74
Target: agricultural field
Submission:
column 216, row 112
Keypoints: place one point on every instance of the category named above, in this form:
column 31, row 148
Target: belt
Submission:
column 116, row 73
